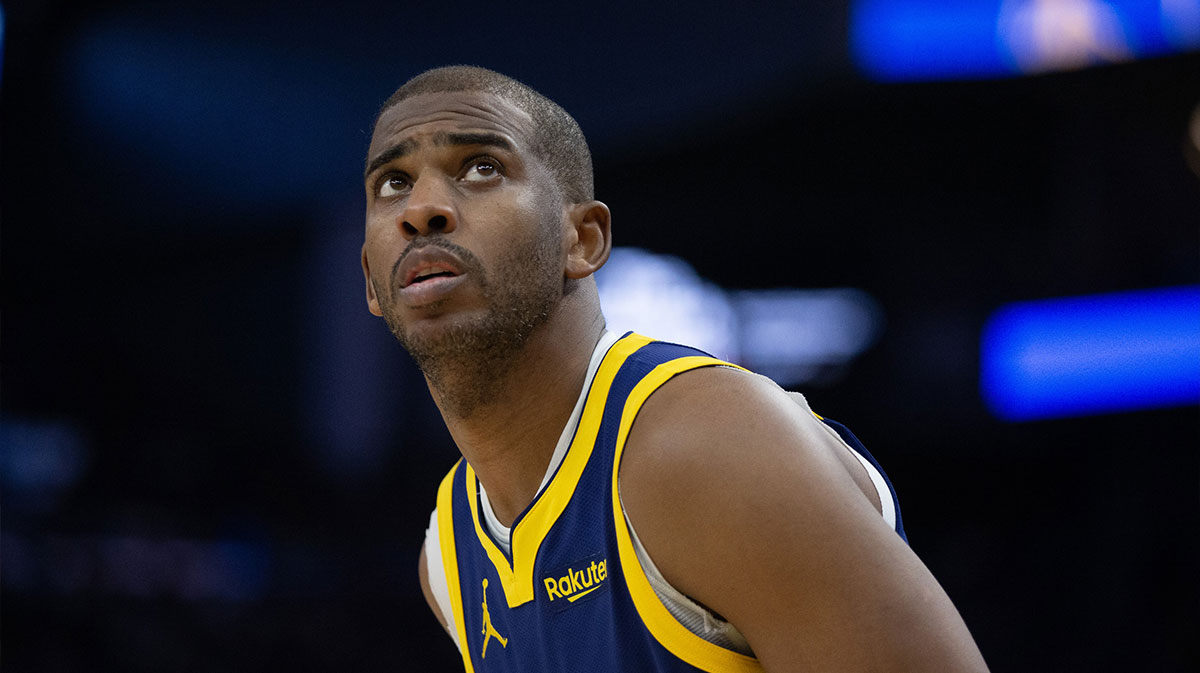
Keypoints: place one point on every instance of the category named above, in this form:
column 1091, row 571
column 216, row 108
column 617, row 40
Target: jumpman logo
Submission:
column 488, row 630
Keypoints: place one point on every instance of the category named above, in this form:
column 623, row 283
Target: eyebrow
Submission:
column 390, row 154
column 404, row 147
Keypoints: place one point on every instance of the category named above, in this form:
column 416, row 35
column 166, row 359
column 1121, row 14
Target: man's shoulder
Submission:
column 687, row 414
column 722, row 465
column 718, row 433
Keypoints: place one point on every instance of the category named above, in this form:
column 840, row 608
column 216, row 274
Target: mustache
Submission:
column 471, row 263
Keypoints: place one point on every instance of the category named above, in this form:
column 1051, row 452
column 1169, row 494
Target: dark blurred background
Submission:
column 213, row 458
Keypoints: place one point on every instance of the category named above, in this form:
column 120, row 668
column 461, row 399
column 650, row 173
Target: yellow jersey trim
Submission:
column 667, row 630
column 445, row 504
column 527, row 536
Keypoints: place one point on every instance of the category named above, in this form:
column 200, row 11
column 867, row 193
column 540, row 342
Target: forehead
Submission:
column 423, row 115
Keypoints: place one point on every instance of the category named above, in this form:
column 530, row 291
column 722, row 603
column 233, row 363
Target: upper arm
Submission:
column 749, row 509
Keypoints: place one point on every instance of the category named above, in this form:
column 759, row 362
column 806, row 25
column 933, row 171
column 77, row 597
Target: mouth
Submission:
column 428, row 264
column 426, row 273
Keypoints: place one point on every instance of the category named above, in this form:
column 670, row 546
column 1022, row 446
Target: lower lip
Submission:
column 429, row 291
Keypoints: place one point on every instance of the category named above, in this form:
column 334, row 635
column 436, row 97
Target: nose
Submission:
column 429, row 209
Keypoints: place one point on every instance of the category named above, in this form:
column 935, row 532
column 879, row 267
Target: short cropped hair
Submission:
column 558, row 140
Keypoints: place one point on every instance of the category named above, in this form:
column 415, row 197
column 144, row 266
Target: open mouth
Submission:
column 431, row 275
column 430, row 272
column 430, row 265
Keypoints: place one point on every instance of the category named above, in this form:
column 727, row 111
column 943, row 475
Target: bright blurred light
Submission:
column 1181, row 22
column 793, row 336
column 1044, row 35
column 905, row 40
column 1089, row 355
column 897, row 40
column 798, row 335
column 663, row 297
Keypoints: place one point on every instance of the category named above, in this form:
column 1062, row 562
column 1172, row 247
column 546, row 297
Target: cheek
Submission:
column 534, row 216
column 380, row 223
column 379, row 247
column 490, row 225
column 529, row 242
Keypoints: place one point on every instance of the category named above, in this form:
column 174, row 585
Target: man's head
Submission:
column 559, row 142
column 476, row 233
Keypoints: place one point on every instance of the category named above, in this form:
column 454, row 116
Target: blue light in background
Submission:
column 897, row 40
column 1089, row 355
column 40, row 462
column 916, row 40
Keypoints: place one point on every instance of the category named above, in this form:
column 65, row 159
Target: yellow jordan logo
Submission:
column 488, row 630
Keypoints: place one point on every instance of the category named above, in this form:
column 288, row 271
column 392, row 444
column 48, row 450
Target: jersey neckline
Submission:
column 531, row 526
column 501, row 534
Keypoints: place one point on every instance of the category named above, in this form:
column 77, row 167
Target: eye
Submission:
column 480, row 170
column 391, row 185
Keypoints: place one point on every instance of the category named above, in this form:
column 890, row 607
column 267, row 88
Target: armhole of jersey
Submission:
column 885, row 494
column 437, row 576
column 886, row 503
column 693, row 616
column 445, row 509
column 662, row 625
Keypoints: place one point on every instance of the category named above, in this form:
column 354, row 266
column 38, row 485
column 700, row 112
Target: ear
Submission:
column 372, row 300
column 589, row 240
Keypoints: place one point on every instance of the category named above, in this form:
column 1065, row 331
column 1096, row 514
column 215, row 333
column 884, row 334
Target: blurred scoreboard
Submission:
column 923, row 40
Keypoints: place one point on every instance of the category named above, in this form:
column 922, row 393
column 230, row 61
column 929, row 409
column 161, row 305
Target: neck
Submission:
column 508, row 434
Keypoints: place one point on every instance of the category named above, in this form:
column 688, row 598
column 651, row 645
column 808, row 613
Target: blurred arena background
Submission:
column 970, row 229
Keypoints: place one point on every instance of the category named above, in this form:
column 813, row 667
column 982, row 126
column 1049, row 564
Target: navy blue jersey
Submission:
column 572, row 596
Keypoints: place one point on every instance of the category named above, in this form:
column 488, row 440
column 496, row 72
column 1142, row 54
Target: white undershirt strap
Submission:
column 434, row 570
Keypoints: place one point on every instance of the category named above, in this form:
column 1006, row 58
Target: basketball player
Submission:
column 622, row 504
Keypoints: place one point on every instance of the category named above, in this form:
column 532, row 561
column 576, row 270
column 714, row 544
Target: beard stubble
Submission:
column 467, row 360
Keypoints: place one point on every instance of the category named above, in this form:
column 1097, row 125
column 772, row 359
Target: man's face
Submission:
column 464, row 238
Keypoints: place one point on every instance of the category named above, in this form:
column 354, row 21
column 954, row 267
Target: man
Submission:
column 727, row 529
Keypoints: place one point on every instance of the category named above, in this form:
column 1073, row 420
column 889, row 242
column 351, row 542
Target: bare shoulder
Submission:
column 717, row 448
column 731, row 404
column 745, row 505
column 737, row 433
